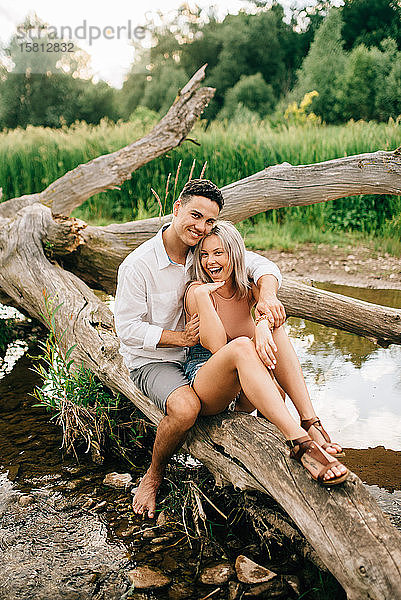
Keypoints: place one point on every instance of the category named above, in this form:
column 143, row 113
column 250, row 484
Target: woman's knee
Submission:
column 241, row 347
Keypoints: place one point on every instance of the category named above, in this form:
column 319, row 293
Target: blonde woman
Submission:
column 237, row 353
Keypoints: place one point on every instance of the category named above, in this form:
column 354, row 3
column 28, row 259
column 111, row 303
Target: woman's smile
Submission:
column 214, row 259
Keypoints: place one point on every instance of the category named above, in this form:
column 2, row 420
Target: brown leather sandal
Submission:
column 309, row 454
column 315, row 422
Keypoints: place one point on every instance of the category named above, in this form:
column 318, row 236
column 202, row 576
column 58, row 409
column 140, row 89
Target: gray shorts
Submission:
column 159, row 380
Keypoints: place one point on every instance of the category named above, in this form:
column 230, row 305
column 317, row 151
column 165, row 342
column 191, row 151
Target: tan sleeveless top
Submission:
column 235, row 314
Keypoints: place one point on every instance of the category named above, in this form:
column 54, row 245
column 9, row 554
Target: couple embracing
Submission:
column 183, row 316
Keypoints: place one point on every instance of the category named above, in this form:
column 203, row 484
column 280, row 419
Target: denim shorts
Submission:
column 197, row 356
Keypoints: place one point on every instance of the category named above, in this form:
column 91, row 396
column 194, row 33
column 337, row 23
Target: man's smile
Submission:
column 195, row 234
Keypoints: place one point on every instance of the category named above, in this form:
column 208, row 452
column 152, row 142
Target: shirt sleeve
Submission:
column 131, row 310
column 258, row 265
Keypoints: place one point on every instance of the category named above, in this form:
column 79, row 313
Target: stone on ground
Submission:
column 148, row 578
column 118, row 480
column 217, row 574
column 250, row 572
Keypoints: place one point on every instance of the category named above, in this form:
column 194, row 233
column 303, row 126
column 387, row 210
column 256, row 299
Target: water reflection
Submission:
column 355, row 386
column 385, row 297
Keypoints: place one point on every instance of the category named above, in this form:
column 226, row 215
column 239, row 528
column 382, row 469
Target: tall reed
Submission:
column 31, row 159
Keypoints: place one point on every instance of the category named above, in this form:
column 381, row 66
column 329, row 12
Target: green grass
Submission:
column 290, row 235
column 31, row 159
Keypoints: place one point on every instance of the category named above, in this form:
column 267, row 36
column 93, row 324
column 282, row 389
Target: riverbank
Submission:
column 357, row 266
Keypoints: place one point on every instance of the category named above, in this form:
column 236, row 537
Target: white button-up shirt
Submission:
column 149, row 298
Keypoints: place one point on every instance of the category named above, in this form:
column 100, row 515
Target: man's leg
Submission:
column 182, row 409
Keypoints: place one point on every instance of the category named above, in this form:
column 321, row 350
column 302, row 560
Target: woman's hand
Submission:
column 264, row 343
column 208, row 288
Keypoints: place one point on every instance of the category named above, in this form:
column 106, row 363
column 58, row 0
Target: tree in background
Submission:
column 131, row 94
column 252, row 92
column 367, row 90
column 369, row 22
column 240, row 45
column 323, row 68
column 357, row 95
column 388, row 88
column 41, row 89
column 162, row 88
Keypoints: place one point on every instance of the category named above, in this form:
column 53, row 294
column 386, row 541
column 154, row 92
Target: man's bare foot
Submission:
column 145, row 496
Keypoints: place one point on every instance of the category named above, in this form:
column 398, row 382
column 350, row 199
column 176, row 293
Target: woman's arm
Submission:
column 263, row 339
column 211, row 330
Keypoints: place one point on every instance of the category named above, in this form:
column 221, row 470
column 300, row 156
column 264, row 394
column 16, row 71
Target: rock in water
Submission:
column 118, row 480
column 217, row 574
column 180, row 591
column 148, row 578
column 26, row 500
column 250, row 572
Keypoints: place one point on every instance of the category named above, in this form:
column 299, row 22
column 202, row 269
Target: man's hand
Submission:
column 191, row 332
column 270, row 305
column 264, row 344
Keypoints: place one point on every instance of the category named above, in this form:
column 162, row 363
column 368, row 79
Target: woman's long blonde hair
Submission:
column 234, row 245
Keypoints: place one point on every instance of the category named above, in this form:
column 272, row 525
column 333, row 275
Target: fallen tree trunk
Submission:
column 345, row 526
column 84, row 247
column 378, row 323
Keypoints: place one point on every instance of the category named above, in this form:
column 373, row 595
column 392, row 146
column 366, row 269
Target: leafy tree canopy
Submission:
column 42, row 88
column 369, row 22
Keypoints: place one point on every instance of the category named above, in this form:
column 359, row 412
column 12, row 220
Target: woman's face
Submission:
column 214, row 259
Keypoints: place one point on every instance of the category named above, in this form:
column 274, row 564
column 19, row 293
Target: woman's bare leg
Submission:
column 289, row 375
column 243, row 405
column 235, row 366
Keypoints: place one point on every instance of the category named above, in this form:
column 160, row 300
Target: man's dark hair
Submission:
column 204, row 188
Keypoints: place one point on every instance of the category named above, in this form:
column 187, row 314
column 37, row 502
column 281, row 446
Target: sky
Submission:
column 112, row 57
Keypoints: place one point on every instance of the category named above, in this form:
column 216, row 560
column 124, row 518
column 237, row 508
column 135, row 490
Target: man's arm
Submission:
column 268, row 303
column 267, row 277
column 130, row 312
column 188, row 337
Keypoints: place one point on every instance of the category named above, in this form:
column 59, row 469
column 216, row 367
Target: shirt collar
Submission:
column 162, row 257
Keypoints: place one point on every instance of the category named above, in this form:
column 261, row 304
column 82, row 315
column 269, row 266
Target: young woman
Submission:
column 237, row 353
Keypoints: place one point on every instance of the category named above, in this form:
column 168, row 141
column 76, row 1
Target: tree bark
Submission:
column 378, row 323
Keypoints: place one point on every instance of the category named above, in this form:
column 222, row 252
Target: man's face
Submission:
column 194, row 219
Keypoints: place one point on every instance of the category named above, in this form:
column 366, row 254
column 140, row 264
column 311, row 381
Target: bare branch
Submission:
column 111, row 170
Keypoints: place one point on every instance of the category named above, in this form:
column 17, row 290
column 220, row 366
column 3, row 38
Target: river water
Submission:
column 356, row 390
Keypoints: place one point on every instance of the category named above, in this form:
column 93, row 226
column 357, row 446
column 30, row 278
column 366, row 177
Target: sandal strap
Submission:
column 302, row 442
column 315, row 422
column 307, row 445
column 315, row 451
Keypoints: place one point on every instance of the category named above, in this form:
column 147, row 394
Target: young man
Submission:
column 150, row 321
